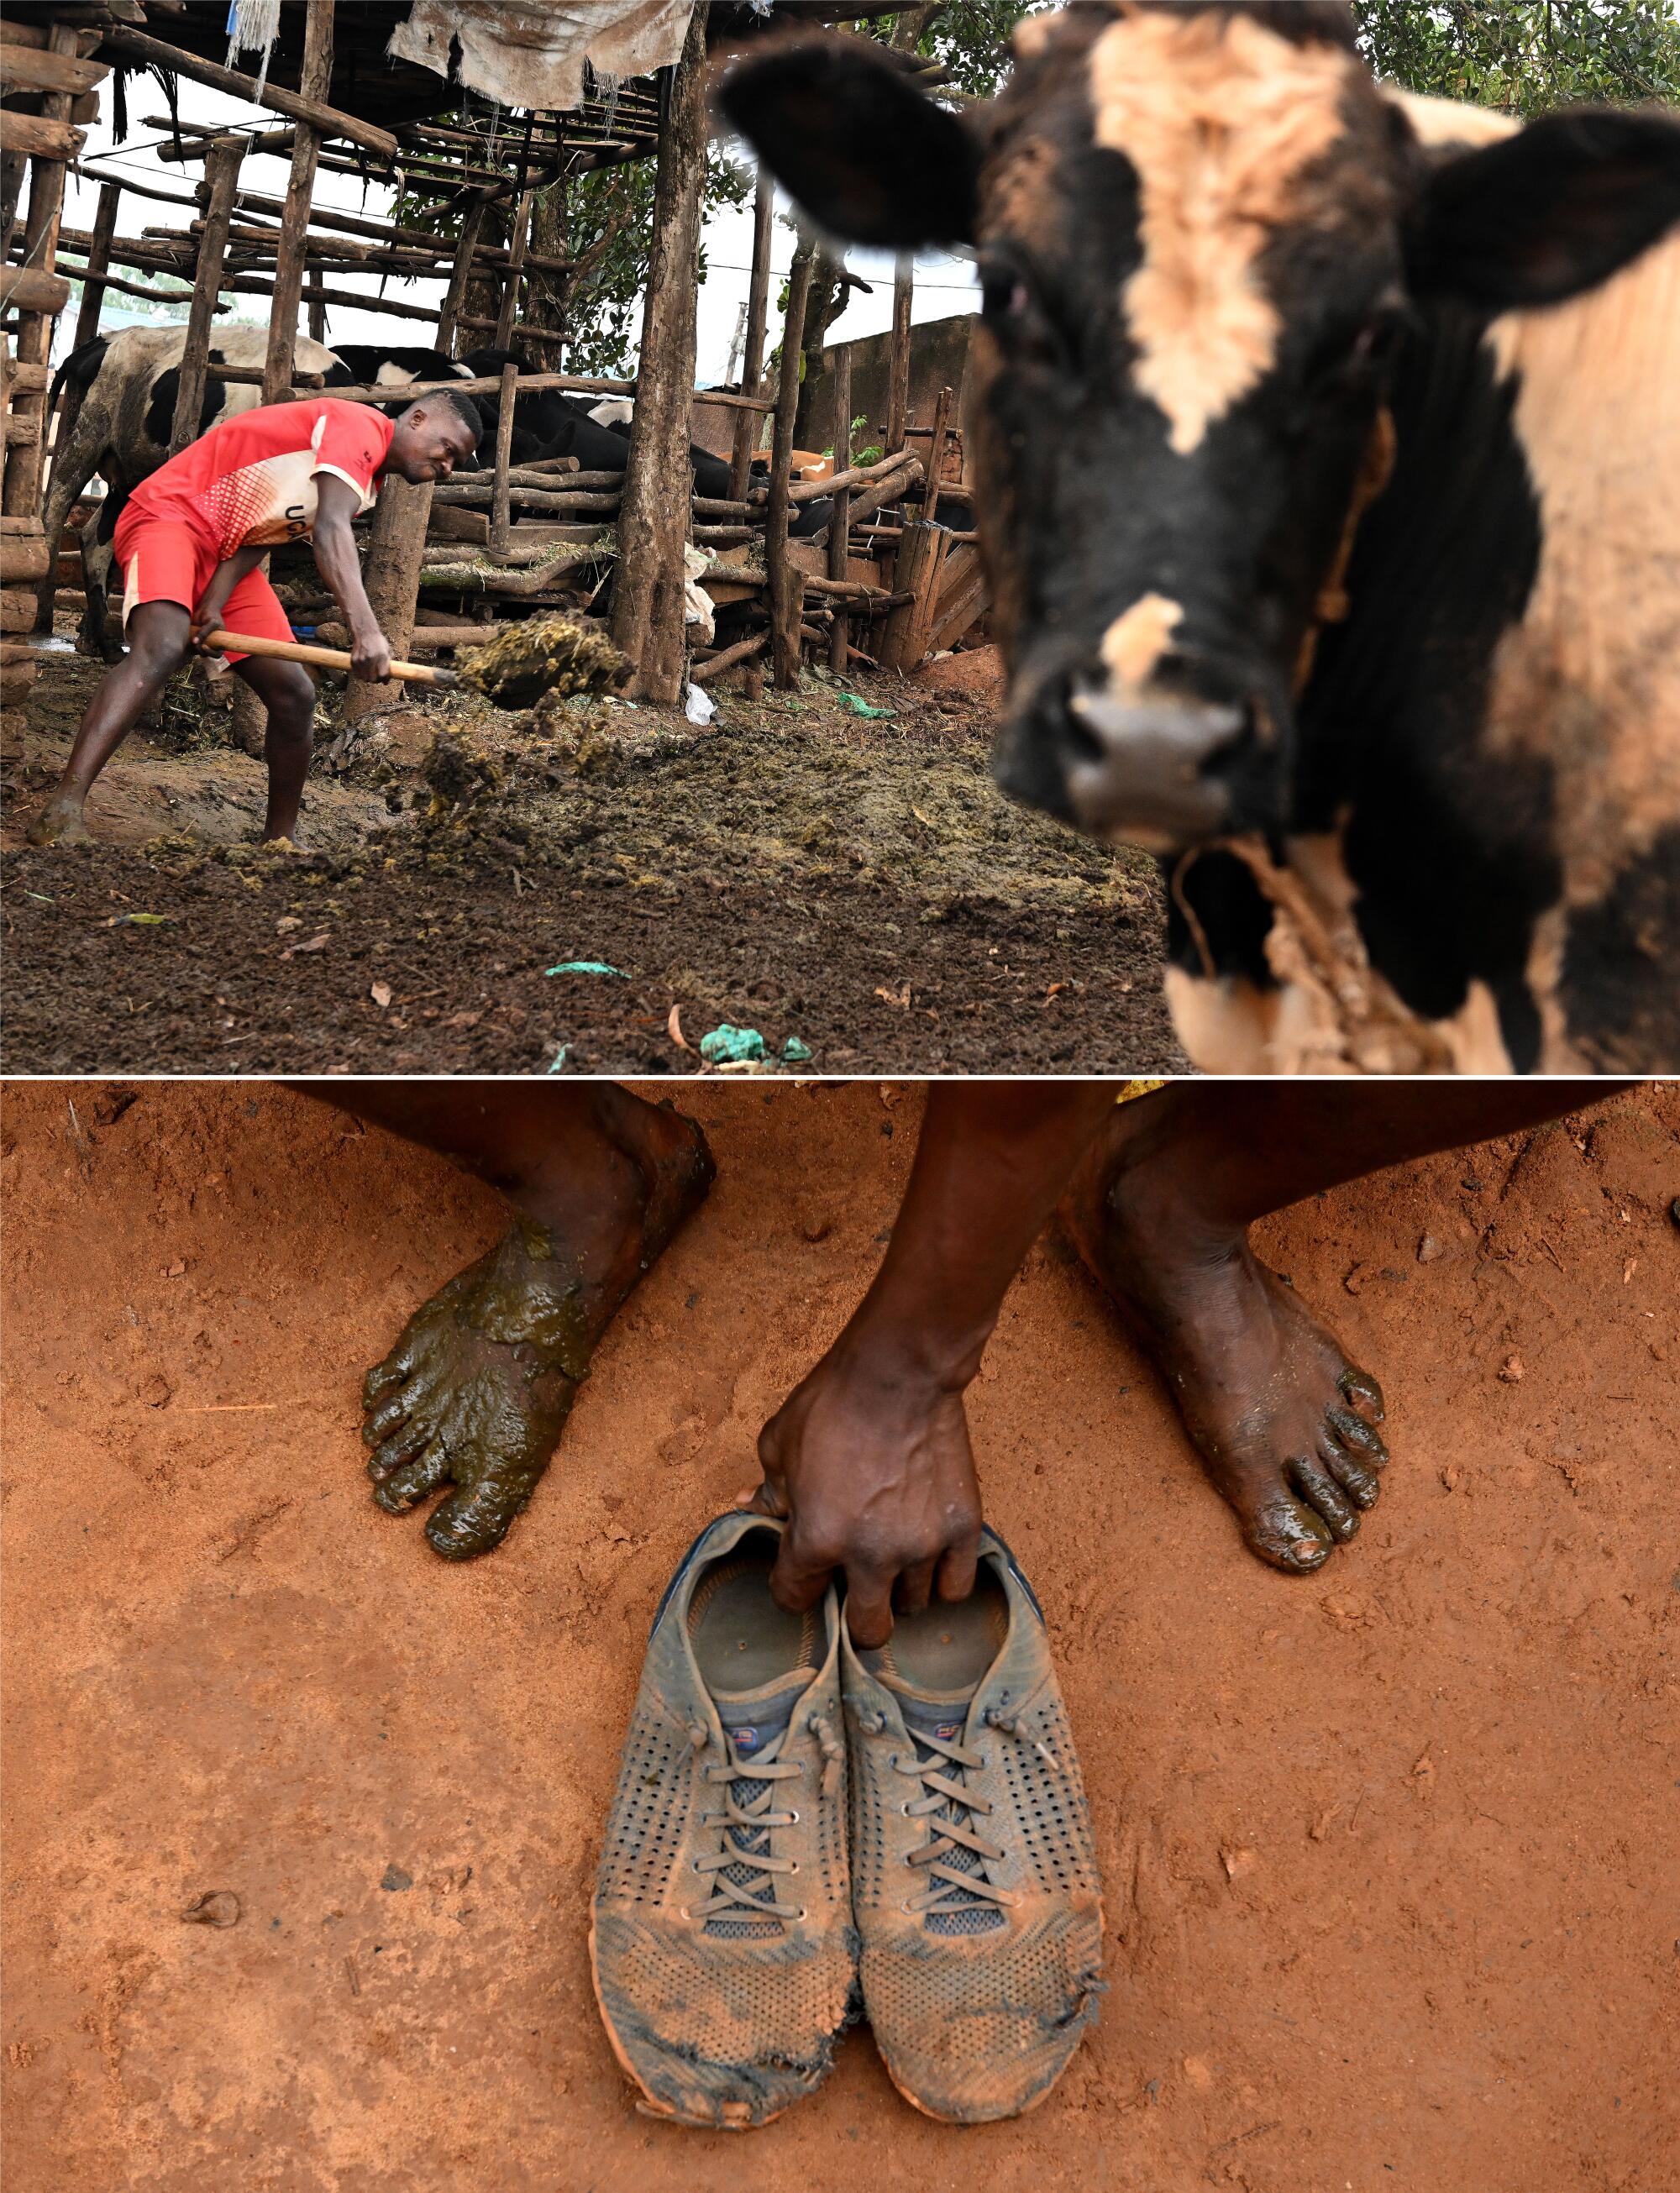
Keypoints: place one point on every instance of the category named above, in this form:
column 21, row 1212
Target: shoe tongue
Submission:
column 757, row 1720
column 943, row 1713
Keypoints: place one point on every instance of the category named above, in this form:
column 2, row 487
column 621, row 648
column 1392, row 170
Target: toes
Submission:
column 1289, row 1535
column 413, row 1481
column 1357, row 1437
column 1316, row 1485
column 472, row 1522
column 402, row 1446
column 1360, row 1484
column 1360, row 1387
column 382, row 1420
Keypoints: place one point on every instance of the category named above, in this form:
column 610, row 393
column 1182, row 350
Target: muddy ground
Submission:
column 854, row 884
column 1388, row 1851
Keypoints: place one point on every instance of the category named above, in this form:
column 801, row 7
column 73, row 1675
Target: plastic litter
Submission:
column 586, row 967
column 557, row 1063
column 731, row 1046
column 860, row 707
column 741, row 1046
column 699, row 708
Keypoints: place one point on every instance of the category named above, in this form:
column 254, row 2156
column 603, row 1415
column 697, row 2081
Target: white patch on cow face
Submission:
column 615, row 411
column 1221, row 119
column 391, row 376
column 1134, row 643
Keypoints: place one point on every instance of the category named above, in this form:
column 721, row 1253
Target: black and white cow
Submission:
column 130, row 382
column 1327, row 451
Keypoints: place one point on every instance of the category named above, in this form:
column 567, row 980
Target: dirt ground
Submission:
column 1388, row 1851
column 855, row 884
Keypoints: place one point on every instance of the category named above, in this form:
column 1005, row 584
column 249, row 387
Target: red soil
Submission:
column 1389, row 1850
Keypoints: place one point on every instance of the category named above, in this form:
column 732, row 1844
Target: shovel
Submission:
column 327, row 658
column 515, row 669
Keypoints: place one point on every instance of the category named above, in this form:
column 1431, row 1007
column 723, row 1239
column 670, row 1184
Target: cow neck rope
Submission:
column 1302, row 948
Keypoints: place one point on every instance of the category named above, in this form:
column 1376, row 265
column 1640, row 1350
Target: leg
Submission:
column 288, row 693
column 1159, row 1210
column 478, row 1388
column 158, row 646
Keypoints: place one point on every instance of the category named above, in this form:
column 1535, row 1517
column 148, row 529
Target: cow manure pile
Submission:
column 799, row 796
column 543, row 657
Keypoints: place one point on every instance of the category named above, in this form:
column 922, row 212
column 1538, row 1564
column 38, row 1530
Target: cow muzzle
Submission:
column 1162, row 767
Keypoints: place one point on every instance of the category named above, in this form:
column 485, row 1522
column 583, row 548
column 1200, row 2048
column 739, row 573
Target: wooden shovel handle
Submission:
column 329, row 658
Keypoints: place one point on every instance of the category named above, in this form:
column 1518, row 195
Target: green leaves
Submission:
column 1525, row 56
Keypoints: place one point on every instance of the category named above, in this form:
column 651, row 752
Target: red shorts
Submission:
column 162, row 560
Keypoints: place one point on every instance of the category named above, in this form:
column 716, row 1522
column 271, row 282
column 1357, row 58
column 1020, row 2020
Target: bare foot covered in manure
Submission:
column 1284, row 1423
column 59, row 822
column 478, row 1388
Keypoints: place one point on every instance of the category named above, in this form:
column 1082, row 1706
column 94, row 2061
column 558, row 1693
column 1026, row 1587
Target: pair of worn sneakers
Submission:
column 799, row 1824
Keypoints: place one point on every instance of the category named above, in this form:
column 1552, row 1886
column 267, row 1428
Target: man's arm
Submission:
column 338, row 563
column 213, row 602
column 868, row 1457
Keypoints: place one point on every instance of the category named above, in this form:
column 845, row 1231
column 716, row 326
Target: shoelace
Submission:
column 950, row 1888
column 745, row 1840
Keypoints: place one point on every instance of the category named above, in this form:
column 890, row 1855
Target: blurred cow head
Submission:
column 1202, row 232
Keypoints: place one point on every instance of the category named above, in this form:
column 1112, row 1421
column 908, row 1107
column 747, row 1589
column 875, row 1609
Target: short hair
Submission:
column 464, row 407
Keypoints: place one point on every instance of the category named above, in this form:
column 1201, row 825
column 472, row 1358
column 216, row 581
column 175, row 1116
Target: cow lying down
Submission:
column 1327, row 444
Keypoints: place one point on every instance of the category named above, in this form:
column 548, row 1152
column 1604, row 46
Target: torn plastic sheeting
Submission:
column 533, row 57
column 586, row 967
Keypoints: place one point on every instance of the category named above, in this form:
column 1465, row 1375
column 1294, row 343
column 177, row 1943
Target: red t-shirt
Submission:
column 252, row 479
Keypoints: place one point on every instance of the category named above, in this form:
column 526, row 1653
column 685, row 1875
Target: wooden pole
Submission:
column 500, row 528
column 935, row 456
column 787, row 591
column 38, row 301
column 317, row 309
column 460, row 273
column 516, row 261
column 315, row 83
column 653, row 518
column 840, row 525
column 751, row 355
column 391, row 574
column 98, row 268
column 221, row 180
column 899, row 368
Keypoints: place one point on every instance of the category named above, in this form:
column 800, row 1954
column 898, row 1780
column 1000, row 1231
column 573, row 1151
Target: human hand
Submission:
column 868, row 1461
column 370, row 652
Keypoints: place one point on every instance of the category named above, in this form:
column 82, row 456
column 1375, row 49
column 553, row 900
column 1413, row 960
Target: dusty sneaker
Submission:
column 722, row 1944
column 974, row 1880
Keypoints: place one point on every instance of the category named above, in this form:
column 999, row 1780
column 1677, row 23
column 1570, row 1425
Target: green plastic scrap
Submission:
column 734, row 1046
column 557, row 1063
column 586, row 967
column 729, row 1046
column 146, row 920
column 863, row 707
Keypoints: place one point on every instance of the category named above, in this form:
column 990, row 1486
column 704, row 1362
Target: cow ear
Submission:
column 1540, row 216
column 870, row 159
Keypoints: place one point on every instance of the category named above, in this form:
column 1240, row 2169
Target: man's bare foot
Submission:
column 478, row 1388
column 1283, row 1422
column 59, row 823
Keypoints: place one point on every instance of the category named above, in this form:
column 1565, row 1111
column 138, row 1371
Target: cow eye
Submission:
column 1352, row 352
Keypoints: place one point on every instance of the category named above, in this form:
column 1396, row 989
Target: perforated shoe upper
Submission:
column 722, row 1944
column 974, row 1876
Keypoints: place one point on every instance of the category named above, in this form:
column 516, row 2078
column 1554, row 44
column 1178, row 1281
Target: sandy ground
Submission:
column 1388, row 1851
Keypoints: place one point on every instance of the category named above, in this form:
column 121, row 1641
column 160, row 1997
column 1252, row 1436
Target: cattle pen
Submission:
column 780, row 826
column 712, row 587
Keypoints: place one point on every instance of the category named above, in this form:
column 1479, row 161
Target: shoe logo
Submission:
column 746, row 1739
column 948, row 1732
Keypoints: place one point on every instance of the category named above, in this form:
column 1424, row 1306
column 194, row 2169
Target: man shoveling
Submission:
column 190, row 544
